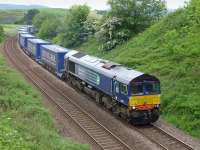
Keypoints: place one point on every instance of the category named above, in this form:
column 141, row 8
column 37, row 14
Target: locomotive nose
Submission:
column 146, row 102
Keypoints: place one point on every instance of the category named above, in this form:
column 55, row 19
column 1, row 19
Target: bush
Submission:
column 49, row 28
column 73, row 33
column 112, row 34
column 1, row 33
column 91, row 25
column 41, row 17
column 28, row 18
column 127, row 18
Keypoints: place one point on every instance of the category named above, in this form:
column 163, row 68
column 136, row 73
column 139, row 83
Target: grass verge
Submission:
column 24, row 122
column 10, row 29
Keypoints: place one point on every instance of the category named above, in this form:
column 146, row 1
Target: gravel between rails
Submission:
column 172, row 130
column 166, row 140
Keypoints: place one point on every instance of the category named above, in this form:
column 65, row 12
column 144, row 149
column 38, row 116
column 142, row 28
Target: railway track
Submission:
column 105, row 139
column 97, row 132
column 165, row 140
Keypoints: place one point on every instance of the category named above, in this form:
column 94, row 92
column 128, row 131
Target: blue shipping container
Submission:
column 23, row 40
column 34, row 47
column 19, row 33
column 53, row 57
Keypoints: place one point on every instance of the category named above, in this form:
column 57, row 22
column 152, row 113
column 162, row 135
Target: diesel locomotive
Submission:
column 131, row 94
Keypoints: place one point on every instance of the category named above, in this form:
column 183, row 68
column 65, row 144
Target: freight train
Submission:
column 131, row 94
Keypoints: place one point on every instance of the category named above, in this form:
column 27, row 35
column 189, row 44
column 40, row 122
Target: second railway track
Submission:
column 105, row 139
column 162, row 138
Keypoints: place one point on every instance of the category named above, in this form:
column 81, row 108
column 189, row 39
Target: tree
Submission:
column 49, row 28
column 194, row 12
column 41, row 17
column 127, row 18
column 91, row 24
column 112, row 33
column 73, row 29
column 28, row 18
column 137, row 14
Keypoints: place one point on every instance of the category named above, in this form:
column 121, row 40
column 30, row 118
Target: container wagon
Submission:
column 34, row 48
column 19, row 33
column 52, row 58
column 23, row 40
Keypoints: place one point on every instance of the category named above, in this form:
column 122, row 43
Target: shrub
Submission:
column 73, row 33
column 49, row 28
column 112, row 34
column 1, row 33
column 127, row 18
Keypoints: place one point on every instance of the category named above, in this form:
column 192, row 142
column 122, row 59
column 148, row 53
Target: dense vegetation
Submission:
column 73, row 27
column 28, row 17
column 1, row 33
column 170, row 49
column 128, row 18
column 24, row 123
column 124, row 20
column 49, row 22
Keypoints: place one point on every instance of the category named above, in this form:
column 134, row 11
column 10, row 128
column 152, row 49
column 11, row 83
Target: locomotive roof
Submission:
column 108, row 68
column 38, row 41
column 27, row 35
column 55, row 48
column 22, row 32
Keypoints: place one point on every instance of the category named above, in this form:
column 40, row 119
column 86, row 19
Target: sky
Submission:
column 94, row 4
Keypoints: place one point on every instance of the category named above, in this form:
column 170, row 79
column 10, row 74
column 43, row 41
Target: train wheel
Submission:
column 98, row 98
column 155, row 115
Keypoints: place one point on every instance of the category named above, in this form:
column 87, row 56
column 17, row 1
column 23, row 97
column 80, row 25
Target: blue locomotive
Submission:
column 130, row 94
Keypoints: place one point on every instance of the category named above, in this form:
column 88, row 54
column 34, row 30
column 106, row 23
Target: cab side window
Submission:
column 123, row 89
column 117, row 87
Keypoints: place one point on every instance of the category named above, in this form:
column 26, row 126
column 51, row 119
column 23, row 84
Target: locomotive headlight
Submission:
column 157, row 106
column 133, row 107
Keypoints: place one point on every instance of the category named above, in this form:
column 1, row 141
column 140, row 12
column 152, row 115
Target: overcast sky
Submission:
column 95, row 4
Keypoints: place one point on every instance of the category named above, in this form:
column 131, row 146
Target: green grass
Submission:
column 24, row 122
column 10, row 29
column 170, row 49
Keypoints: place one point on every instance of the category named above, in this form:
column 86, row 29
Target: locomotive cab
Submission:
column 144, row 101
